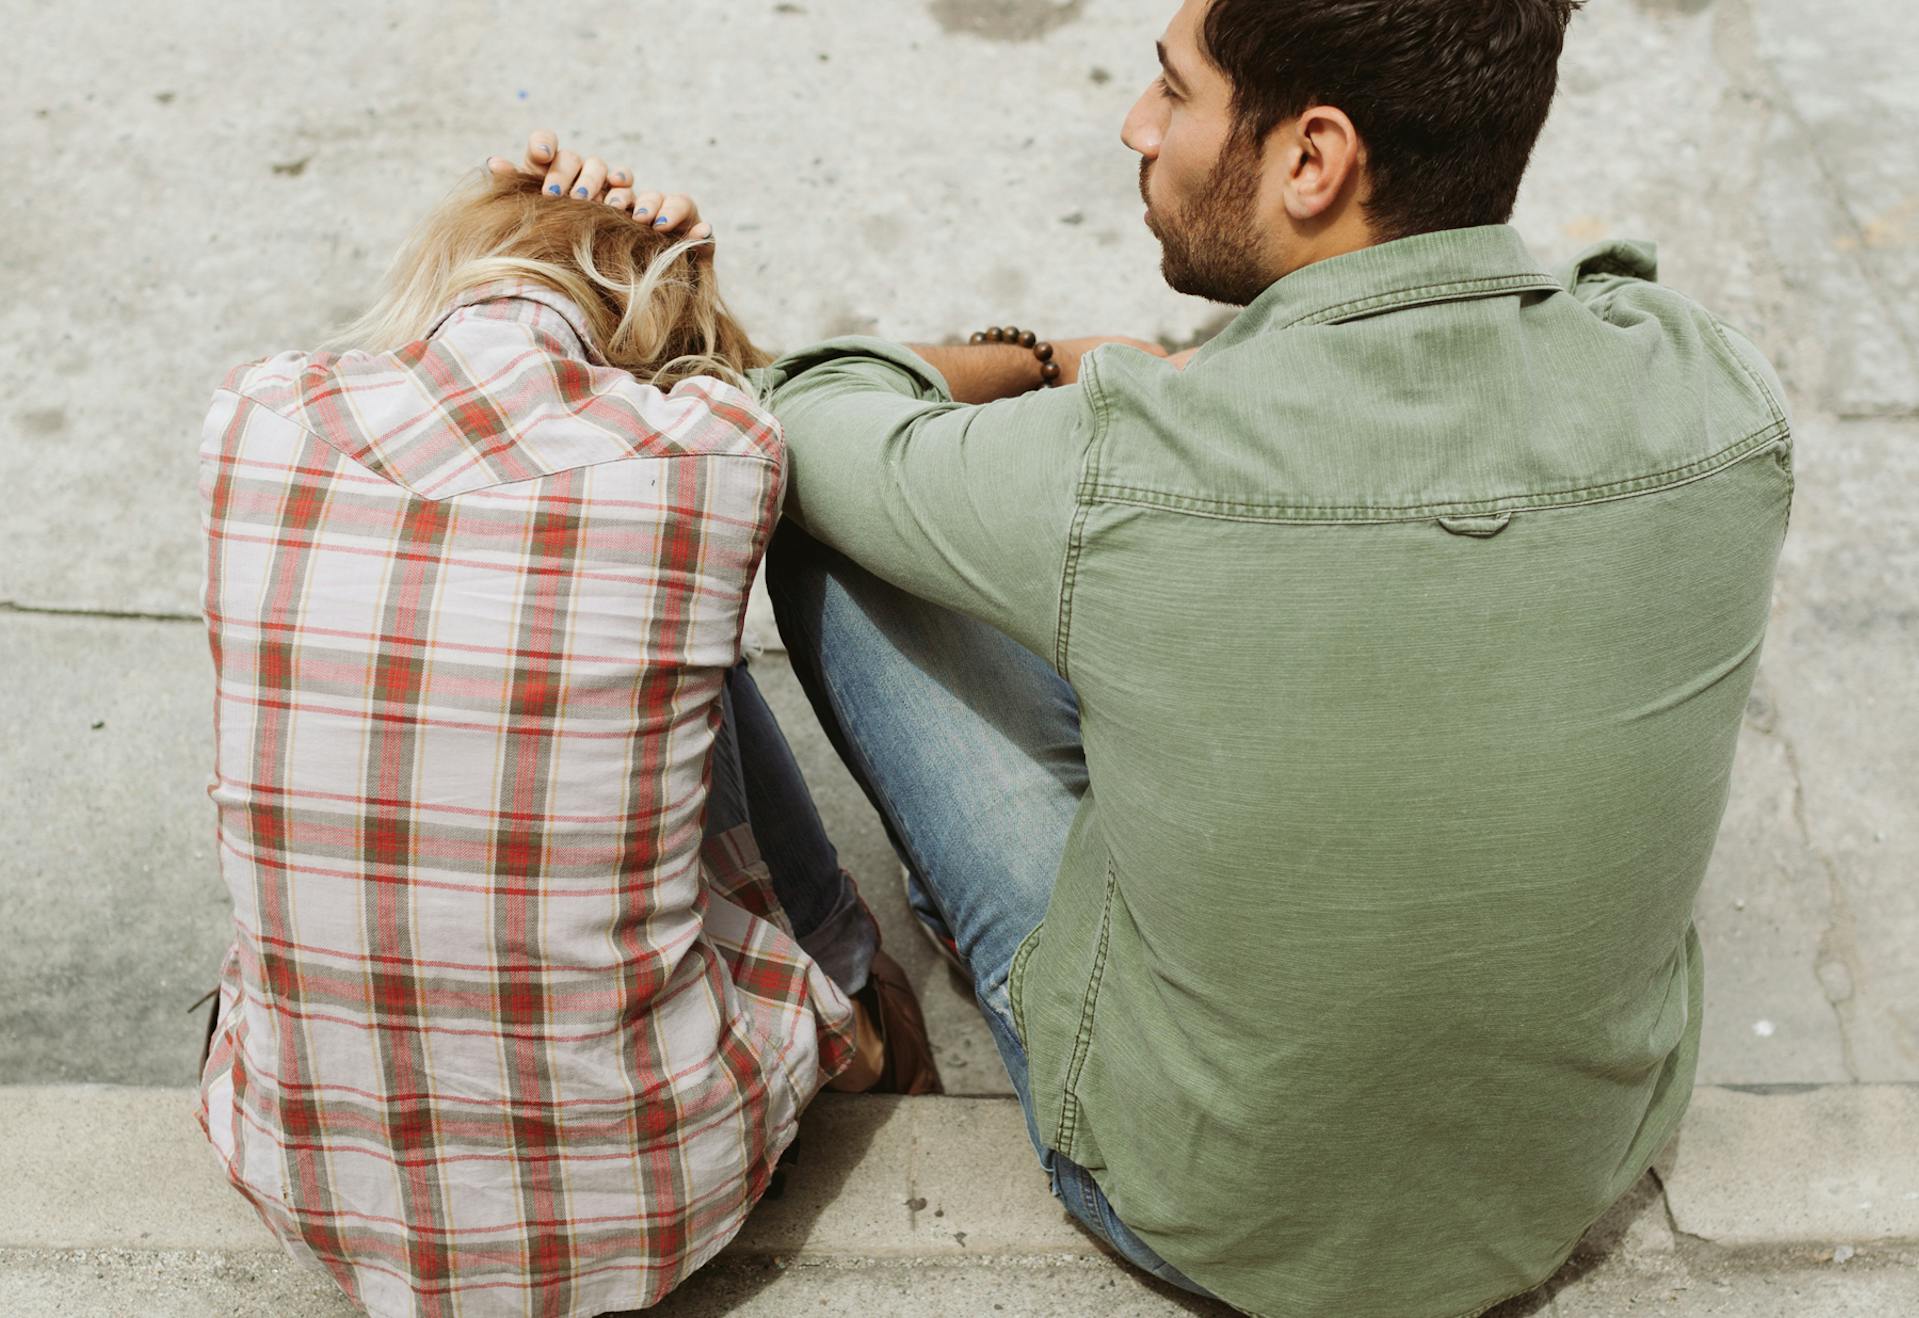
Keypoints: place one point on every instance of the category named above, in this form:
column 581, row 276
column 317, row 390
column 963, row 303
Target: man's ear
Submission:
column 1322, row 156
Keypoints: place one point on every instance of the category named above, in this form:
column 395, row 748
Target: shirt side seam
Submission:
column 1016, row 983
column 1083, row 500
column 1083, row 1036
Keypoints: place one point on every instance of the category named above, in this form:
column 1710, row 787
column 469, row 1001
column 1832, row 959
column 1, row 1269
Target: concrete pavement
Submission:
column 935, row 1205
column 222, row 182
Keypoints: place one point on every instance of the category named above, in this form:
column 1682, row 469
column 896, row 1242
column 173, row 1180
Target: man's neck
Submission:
column 1348, row 234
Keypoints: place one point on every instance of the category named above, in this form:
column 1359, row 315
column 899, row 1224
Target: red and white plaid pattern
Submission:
column 498, row 1033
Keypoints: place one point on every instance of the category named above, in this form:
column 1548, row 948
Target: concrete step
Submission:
column 196, row 1284
column 1788, row 1199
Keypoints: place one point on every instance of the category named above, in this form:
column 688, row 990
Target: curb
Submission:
column 109, row 1167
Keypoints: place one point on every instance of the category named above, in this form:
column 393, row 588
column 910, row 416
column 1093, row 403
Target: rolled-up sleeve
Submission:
column 970, row 506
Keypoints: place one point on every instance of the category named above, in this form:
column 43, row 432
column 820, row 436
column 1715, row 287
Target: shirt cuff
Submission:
column 878, row 363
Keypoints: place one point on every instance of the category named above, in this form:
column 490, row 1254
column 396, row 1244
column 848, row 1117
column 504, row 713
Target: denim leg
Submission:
column 966, row 742
column 756, row 781
column 968, row 746
column 726, row 783
column 1076, row 1188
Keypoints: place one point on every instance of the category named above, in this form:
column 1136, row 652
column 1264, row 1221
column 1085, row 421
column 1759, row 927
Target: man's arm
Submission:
column 969, row 506
column 984, row 372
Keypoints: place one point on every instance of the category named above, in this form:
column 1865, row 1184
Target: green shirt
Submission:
column 1411, row 626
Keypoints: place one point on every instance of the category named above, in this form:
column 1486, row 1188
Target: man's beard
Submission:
column 1211, row 249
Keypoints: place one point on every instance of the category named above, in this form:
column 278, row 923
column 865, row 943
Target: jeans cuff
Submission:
column 844, row 942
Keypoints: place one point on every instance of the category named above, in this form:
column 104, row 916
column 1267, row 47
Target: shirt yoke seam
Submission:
column 762, row 459
column 1359, row 514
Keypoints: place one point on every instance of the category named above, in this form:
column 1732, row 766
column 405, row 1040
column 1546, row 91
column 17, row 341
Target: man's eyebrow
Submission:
column 1172, row 74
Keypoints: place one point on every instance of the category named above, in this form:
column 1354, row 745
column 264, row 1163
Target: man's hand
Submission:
column 566, row 173
column 982, row 372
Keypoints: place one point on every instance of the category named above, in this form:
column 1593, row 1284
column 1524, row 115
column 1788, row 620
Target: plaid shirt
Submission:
column 499, row 1033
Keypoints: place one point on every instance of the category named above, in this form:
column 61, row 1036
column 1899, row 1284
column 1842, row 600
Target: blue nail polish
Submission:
column 641, row 213
column 554, row 188
column 579, row 192
column 661, row 220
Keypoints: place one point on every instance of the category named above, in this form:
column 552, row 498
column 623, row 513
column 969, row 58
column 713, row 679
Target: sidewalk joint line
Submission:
column 108, row 615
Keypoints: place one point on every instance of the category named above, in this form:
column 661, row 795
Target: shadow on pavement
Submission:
column 808, row 1182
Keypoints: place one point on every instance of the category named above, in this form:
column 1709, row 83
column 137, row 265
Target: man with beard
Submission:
column 1311, row 750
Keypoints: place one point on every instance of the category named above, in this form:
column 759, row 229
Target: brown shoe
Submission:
column 907, row 1066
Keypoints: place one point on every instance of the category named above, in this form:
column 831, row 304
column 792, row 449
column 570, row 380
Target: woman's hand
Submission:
column 566, row 173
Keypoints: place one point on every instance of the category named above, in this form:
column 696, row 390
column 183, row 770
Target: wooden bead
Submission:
column 1049, row 372
column 1044, row 352
column 995, row 334
column 1027, row 338
column 977, row 336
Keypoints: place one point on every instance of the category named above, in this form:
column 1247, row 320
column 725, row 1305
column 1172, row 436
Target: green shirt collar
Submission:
column 1443, row 266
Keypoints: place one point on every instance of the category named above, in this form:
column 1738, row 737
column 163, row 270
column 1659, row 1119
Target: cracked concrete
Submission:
column 861, row 185
column 1665, row 1206
column 1837, row 949
column 1841, row 648
column 1740, row 29
column 1758, row 1171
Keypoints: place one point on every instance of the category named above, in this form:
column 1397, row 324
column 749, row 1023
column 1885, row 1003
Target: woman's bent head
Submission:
column 652, row 304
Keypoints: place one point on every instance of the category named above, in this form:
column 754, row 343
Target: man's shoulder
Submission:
column 1617, row 283
column 1597, row 378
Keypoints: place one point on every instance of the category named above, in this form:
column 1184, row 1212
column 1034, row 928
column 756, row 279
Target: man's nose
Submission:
column 1142, row 129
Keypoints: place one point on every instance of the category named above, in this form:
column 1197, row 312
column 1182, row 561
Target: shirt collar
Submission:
column 1443, row 266
column 552, row 311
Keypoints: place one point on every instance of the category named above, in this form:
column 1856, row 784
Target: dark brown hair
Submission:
column 1448, row 95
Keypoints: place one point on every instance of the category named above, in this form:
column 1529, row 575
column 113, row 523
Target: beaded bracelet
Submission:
column 1048, row 368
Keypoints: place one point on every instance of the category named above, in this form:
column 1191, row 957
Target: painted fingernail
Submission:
column 553, row 188
column 641, row 213
column 661, row 220
column 579, row 192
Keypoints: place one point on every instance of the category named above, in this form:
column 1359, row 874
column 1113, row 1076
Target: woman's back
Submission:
column 493, row 1024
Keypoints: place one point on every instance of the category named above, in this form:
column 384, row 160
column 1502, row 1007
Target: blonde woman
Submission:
column 539, row 947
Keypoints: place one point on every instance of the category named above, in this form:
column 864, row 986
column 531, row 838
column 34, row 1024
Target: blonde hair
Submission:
column 652, row 305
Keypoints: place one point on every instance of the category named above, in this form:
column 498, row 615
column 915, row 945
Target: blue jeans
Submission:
column 756, row 781
column 968, row 745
